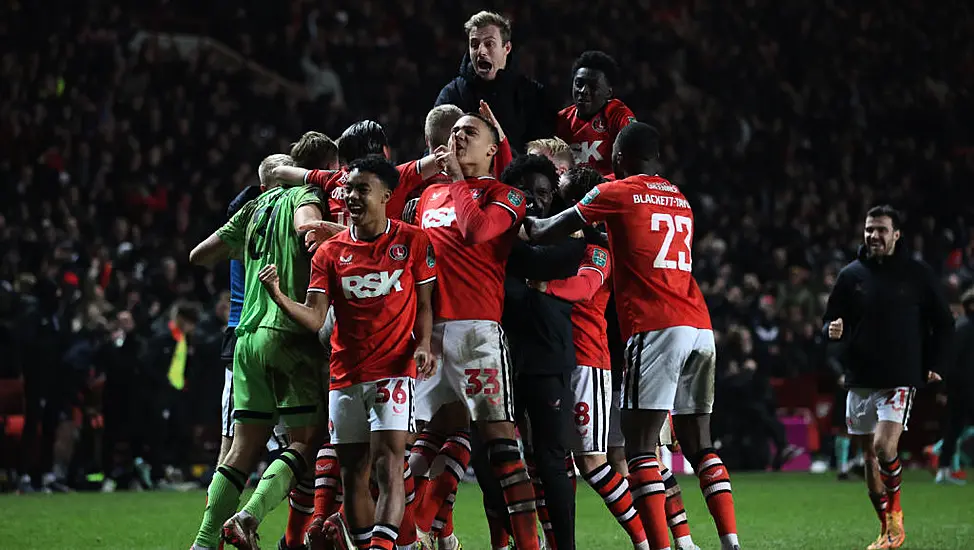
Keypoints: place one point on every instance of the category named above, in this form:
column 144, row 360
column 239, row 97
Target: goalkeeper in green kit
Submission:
column 277, row 364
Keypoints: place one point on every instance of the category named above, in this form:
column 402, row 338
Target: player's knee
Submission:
column 588, row 463
column 884, row 449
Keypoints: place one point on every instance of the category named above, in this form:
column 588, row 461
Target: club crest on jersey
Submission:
column 598, row 124
column 398, row 252
column 599, row 258
column 430, row 256
column 590, row 196
column 515, row 197
column 475, row 193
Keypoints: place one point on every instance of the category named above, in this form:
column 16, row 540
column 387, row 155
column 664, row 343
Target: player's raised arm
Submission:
column 310, row 315
column 290, row 174
column 220, row 246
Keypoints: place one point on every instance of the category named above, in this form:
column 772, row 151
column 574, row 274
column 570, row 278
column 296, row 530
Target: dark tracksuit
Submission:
column 896, row 322
column 539, row 331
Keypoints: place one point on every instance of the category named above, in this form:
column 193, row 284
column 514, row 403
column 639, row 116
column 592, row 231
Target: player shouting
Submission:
column 670, row 350
column 276, row 366
column 379, row 275
column 472, row 224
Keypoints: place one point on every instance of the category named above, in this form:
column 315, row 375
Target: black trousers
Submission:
column 960, row 412
column 542, row 402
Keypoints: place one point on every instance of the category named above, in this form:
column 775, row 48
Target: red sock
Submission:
column 302, row 507
column 499, row 537
column 423, row 453
column 716, row 487
column 649, row 496
column 508, row 468
column 362, row 538
column 327, row 481
column 443, row 523
column 384, row 537
column 539, row 501
column 880, row 504
column 614, row 490
column 407, row 527
column 676, row 514
column 456, row 452
column 892, row 474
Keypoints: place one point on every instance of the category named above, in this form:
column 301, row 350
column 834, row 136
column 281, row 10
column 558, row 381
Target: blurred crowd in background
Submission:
column 782, row 120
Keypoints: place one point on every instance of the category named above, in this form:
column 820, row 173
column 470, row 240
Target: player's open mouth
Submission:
column 355, row 209
column 484, row 65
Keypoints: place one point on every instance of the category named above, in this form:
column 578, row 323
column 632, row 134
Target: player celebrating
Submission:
column 379, row 275
column 276, row 367
column 471, row 223
column 662, row 313
column 591, row 125
column 886, row 296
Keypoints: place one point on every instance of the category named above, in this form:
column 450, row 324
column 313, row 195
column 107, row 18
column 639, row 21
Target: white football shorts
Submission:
column 866, row 407
column 671, row 369
column 360, row 409
column 591, row 410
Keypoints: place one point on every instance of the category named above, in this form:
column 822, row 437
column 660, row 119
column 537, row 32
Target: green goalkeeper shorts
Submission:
column 278, row 373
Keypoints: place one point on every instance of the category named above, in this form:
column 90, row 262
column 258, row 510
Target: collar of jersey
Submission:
column 351, row 230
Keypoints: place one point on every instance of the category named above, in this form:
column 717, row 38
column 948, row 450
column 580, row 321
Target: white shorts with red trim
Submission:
column 866, row 407
column 360, row 409
column 671, row 369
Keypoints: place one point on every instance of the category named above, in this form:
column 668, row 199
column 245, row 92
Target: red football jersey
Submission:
column 650, row 226
column 332, row 182
column 588, row 318
column 471, row 275
column 591, row 140
column 372, row 286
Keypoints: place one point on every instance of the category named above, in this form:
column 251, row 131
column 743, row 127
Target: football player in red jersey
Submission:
column 671, row 351
column 472, row 223
column 379, row 275
column 591, row 125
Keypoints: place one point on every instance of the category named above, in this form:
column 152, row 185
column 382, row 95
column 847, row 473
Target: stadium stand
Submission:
column 126, row 129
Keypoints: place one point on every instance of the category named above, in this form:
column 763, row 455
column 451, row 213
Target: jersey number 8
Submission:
column 673, row 225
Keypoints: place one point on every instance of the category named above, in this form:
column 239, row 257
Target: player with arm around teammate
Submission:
column 276, row 366
column 379, row 276
column 670, row 351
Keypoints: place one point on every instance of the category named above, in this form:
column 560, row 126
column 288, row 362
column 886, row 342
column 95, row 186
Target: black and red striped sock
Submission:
column 456, row 454
column 649, row 497
column 716, row 487
column 328, row 481
column 300, row 511
column 508, row 468
column 676, row 514
column 891, row 472
column 614, row 490
column 407, row 527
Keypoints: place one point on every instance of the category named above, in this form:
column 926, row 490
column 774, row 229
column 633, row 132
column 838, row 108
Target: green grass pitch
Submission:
column 783, row 511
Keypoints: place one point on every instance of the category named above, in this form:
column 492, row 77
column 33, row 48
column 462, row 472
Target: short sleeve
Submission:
column 602, row 202
column 596, row 259
column 510, row 199
column 320, row 276
column 424, row 263
column 309, row 195
column 620, row 117
column 234, row 232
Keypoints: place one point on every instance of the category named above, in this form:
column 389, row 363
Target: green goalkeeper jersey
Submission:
column 262, row 233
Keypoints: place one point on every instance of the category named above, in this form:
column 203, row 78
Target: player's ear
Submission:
column 492, row 150
column 507, row 47
column 386, row 152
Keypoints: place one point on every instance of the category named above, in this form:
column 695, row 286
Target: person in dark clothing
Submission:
column 487, row 73
column 959, row 377
column 125, row 409
column 539, row 331
column 899, row 331
column 168, row 358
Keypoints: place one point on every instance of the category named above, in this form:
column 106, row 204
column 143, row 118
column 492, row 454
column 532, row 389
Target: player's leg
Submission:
column 226, row 431
column 592, row 394
column 893, row 413
column 350, row 435
column 692, row 406
column 488, row 387
column 861, row 421
column 293, row 361
column 676, row 514
column 616, row 454
column 254, row 418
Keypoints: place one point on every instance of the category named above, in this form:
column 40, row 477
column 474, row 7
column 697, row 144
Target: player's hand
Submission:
column 489, row 115
column 447, row 161
column 268, row 277
column 933, row 377
column 540, row 286
column 318, row 232
column 527, row 226
column 425, row 361
column 841, row 381
column 409, row 212
column 835, row 329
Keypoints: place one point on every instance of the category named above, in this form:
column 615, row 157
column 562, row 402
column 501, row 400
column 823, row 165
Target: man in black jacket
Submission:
column 539, row 330
column 486, row 74
column 892, row 326
column 960, row 388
